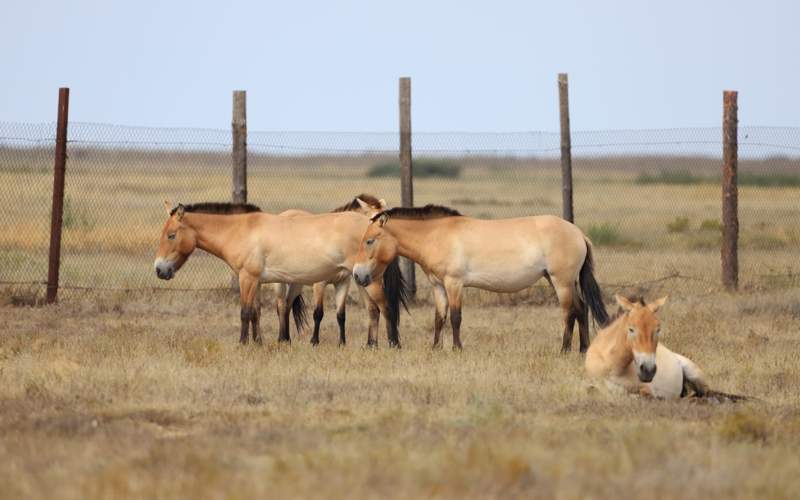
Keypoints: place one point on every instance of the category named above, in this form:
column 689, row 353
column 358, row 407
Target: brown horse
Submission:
column 629, row 357
column 505, row 255
column 262, row 247
column 368, row 206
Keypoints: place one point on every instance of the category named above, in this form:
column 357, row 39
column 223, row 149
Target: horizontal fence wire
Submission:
column 648, row 199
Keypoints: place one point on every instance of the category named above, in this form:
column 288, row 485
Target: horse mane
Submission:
column 218, row 208
column 427, row 212
column 353, row 204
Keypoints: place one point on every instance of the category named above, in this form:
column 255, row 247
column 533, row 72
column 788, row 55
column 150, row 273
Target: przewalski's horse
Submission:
column 627, row 355
column 370, row 206
column 262, row 247
column 505, row 255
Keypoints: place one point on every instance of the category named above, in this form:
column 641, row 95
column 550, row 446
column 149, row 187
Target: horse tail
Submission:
column 396, row 292
column 590, row 290
column 300, row 313
column 732, row 398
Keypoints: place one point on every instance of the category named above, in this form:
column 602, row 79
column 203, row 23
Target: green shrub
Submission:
column 712, row 225
column 768, row 180
column 679, row 225
column 670, row 177
column 422, row 168
column 605, row 235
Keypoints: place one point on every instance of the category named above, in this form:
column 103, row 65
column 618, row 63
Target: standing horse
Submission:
column 370, row 206
column 627, row 354
column 262, row 247
column 505, row 255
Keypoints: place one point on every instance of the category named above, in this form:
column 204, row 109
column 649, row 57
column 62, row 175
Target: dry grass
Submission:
column 132, row 395
column 148, row 395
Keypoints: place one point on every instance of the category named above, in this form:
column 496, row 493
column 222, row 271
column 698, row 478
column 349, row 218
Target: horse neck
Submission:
column 411, row 236
column 213, row 231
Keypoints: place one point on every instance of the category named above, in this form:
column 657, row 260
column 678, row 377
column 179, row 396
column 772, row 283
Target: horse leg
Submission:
column 319, row 310
column 292, row 291
column 440, row 298
column 255, row 315
column 282, row 309
column 340, row 291
column 374, row 313
column 248, row 288
column 375, row 291
column 453, row 289
column 583, row 325
column 566, row 295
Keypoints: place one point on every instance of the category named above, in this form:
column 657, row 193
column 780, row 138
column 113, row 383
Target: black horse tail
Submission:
column 590, row 290
column 299, row 312
column 395, row 290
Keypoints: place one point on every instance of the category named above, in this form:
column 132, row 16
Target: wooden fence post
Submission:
column 239, row 152
column 57, row 212
column 566, row 148
column 730, row 191
column 406, row 172
column 239, row 131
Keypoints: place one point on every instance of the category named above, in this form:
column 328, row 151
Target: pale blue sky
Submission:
column 475, row 66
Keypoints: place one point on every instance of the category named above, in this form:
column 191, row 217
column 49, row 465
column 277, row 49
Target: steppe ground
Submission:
column 146, row 393
column 134, row 395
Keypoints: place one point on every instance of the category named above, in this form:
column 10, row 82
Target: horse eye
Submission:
column 171, row 236
column 631, row 331
column 370, row 241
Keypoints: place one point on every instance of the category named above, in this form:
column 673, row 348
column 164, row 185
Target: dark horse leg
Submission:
column 255, row 315
column 341, row 289
column 440, row 316
column 319, row 310
column 290, row 292
column 454, row 298
column 248, row 290
column 583, row 326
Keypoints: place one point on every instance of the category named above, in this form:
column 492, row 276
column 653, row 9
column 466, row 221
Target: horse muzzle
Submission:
column 362, row 276
column 165, row 270
column 647, row 373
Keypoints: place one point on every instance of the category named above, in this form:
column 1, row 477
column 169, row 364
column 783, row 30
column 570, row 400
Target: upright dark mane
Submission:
column 218, row 208
column 353, row 204
column 427, row 212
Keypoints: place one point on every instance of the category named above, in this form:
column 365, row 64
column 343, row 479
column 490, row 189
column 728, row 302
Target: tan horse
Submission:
column 262, row 247
column 627, row 354
column 369, row 207
column 505, row 255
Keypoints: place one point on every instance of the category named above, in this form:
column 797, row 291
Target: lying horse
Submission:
column 627, row 354
column 262, row 247
column 505, row 255
column 370, row 206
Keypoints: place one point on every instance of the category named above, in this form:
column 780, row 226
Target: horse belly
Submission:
column 306, row 273
column 503, row 278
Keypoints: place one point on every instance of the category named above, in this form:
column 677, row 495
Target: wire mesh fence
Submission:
column 649, row 200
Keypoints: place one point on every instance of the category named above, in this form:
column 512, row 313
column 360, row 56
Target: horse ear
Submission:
column 623, row 302
column 180, row 211
column 656, row 304
column 167, row 207
column 382, row 203
column 382, row 219
column 363, row 205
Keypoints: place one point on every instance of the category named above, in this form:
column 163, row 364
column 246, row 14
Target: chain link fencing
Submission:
column 650, row 200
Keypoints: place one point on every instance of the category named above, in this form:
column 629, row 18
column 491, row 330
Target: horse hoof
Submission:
column 342, row 344
column 372, row 345
column 458, row 348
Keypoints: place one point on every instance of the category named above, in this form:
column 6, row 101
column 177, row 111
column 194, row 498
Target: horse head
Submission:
column 643, row 329
column 177, row 242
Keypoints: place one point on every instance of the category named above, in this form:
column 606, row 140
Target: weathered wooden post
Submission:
column 57, row 212
column 566, row 148
column 406, row 172
column 239, row 131
column 730, row 190
column 239, row 156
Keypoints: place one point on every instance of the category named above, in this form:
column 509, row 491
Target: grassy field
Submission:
column 135, row 395
column 146, row 394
